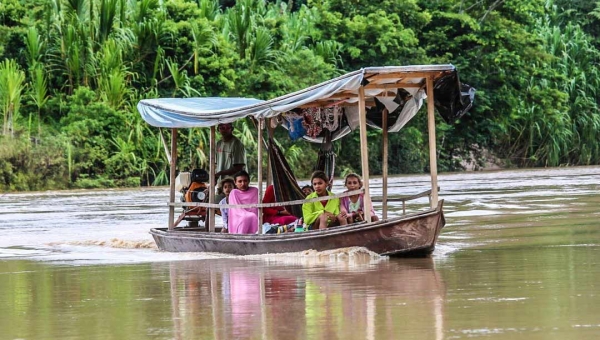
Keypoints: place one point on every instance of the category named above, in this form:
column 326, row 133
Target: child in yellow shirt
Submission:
column 326, row 213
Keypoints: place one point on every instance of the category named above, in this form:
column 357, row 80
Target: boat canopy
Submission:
column 382, row 97
column 399, row 89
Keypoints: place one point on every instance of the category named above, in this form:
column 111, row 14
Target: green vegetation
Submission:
column 72, row 72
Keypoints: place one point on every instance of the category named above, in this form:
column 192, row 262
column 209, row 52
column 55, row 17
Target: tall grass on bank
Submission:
column 12, row 84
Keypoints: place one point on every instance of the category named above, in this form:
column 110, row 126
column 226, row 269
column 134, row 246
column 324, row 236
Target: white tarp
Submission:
column 410, row 109
column 205, row 112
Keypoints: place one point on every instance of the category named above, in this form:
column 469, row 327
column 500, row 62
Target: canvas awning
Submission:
column 400, row 89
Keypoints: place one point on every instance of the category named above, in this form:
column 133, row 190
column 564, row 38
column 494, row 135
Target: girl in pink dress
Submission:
column 354, row 205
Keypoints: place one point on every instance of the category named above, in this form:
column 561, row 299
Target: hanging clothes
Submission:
column 312, row 121
column 295, row 125
column 330, row 117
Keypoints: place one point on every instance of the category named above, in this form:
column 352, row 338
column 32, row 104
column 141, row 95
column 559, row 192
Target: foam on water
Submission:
column 349, row 256
column 113, row 243
column 444, row 249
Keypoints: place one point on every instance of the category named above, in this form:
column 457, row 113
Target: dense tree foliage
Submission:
column 72, row 72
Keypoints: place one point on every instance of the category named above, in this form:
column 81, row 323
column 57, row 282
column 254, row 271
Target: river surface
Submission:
column 519, row 258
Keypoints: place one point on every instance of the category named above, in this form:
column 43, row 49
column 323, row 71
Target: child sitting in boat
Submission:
column 243, row 220
column 226, row 187
column 353, row 206
column 322, row 214
column 275, row 215
column 307, row 190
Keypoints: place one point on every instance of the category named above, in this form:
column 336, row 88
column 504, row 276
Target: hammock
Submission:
column 284, row 182
column 326, row 159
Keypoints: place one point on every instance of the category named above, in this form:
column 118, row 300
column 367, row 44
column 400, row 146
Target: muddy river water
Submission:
column 519, row 258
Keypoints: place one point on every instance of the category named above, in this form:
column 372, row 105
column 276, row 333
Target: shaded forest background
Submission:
column 72, row 72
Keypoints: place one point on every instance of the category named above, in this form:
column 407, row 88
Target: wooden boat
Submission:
column 411, row 234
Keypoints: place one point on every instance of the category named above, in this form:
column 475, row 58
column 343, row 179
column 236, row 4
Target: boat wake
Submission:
column 113, row 243
column 342, row 256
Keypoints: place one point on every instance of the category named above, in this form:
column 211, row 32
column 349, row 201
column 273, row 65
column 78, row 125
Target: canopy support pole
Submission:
column 269, row 165
column 364, row 152
column 259, row 171
column 384, row 167
column 172, row 178
column 432, row 146
column 211, row 180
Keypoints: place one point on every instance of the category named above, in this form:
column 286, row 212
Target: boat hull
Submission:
column 410, row 235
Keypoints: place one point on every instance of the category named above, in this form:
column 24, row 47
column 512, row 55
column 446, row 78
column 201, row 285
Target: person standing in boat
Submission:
column 231, row 154
column 353, row 206
column 227, row 186
column 243, row 220
column 275, row 215
column 326, row 213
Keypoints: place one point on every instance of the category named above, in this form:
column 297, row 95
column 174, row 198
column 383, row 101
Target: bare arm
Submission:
column 231, row 171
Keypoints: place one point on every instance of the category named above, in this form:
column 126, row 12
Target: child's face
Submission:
column 320, row 186
column 307, row 191
column 227, row 187
column 352, row 183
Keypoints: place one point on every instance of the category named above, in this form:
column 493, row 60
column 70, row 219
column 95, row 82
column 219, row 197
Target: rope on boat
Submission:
column 404, row 198
column 195, row 206
column 266, row 205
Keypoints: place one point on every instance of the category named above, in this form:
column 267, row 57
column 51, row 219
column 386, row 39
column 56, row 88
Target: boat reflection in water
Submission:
column 318, row 296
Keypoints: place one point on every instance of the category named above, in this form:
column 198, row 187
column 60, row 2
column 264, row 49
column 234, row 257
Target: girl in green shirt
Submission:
column 326, row 213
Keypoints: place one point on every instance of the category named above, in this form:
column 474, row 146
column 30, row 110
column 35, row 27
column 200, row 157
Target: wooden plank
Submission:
column 384, row 167
column 387, row 94
column 212, row 180
column 172, row 177
column 432, row 146
column 364, row 152
column 393, row 86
